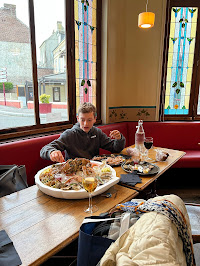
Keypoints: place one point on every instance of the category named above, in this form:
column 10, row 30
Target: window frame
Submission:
column 195, row 82
column 11, row 133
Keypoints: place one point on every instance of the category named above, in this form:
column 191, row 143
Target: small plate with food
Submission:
column 142, row 168
column 64, row 180
column 110, row 159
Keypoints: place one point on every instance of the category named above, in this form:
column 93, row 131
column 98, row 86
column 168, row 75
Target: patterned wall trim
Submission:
column 131, row 113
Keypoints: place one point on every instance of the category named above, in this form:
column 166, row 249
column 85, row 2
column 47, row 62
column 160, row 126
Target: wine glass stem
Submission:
column 90, row 201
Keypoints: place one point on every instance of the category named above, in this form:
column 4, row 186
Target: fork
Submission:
column 107, row 195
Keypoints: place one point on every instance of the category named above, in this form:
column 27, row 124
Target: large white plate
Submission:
column 72, row 194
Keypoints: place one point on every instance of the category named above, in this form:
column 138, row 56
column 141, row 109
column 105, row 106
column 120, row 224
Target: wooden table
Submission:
column 174, row 156
column 40, row 225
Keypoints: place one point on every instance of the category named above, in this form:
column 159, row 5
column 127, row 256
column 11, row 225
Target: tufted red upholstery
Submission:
column 183, row 136
column 175, row 135
column 190, row 160
column 26, row 152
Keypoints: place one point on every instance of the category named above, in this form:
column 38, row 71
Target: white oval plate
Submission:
column 72, row 194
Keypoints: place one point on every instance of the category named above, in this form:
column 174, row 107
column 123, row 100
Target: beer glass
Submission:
column 90, row 184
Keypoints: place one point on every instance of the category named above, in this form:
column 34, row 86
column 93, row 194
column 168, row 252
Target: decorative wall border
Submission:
column 131, row 113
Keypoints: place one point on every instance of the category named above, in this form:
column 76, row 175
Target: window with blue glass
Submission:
column 181, row 62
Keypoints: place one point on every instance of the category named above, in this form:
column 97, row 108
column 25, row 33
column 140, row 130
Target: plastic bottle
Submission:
column 139, row 135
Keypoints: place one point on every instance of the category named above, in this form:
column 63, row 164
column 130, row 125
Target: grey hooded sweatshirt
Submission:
column 77, row 143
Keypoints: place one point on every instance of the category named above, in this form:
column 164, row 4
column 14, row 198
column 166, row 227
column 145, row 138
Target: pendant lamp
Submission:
column 146, row 19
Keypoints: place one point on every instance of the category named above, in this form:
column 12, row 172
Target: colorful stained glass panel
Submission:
column 85, row 51
column 180, row 59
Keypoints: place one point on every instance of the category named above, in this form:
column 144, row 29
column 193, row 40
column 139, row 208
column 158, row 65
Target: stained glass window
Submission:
column 85, row 50
column 182, row 40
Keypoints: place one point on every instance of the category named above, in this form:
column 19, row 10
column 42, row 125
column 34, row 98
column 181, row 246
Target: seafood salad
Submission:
column 113, row 160
column 143, row 168
column 68, row 175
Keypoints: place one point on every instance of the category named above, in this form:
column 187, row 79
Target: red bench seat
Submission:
column 183, row 136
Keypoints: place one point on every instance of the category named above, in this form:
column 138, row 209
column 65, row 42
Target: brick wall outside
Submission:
column 12, row 29
column 15, row 50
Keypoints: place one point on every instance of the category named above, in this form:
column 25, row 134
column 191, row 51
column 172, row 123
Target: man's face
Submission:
column 86, row 121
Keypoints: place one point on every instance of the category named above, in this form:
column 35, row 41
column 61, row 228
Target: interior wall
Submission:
column 134, row 60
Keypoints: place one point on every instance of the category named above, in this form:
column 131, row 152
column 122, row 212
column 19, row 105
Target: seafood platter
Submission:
column 64, row 180
column 110, row 159
column 142, row 168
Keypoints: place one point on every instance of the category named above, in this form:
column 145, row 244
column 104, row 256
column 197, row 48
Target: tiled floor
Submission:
column 183, row 182
column 188, row 195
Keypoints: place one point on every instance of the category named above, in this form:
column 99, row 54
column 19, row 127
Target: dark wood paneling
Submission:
column 34, row 61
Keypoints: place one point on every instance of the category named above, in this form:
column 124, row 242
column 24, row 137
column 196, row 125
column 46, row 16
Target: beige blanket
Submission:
column 153, row 240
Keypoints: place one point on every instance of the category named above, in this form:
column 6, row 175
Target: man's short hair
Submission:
column 87, row 108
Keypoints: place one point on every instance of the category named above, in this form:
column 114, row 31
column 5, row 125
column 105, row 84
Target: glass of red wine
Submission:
column 148, row 143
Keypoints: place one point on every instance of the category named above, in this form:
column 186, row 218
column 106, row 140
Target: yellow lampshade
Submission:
column 146, row 20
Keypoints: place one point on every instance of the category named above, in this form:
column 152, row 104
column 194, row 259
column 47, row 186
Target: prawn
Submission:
column 88, row 171
column 75, row 178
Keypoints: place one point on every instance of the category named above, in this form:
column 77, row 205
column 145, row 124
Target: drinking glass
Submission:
column 148, row 143
column 143, row 152
column 90, row 184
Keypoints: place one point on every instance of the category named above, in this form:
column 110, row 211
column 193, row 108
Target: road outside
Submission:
column 11, row 117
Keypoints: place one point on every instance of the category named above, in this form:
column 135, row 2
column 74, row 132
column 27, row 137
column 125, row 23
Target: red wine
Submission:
column 148, row 145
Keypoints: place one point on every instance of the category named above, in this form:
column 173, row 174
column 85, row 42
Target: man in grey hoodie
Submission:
column 83, row 139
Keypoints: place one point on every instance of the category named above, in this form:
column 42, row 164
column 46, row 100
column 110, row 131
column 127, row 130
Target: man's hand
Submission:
column 115, row 134
column 56, row 156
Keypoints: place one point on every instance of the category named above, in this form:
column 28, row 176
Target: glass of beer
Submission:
column 90, row 184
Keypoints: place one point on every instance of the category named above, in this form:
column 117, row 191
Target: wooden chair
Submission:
column 194, row 215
